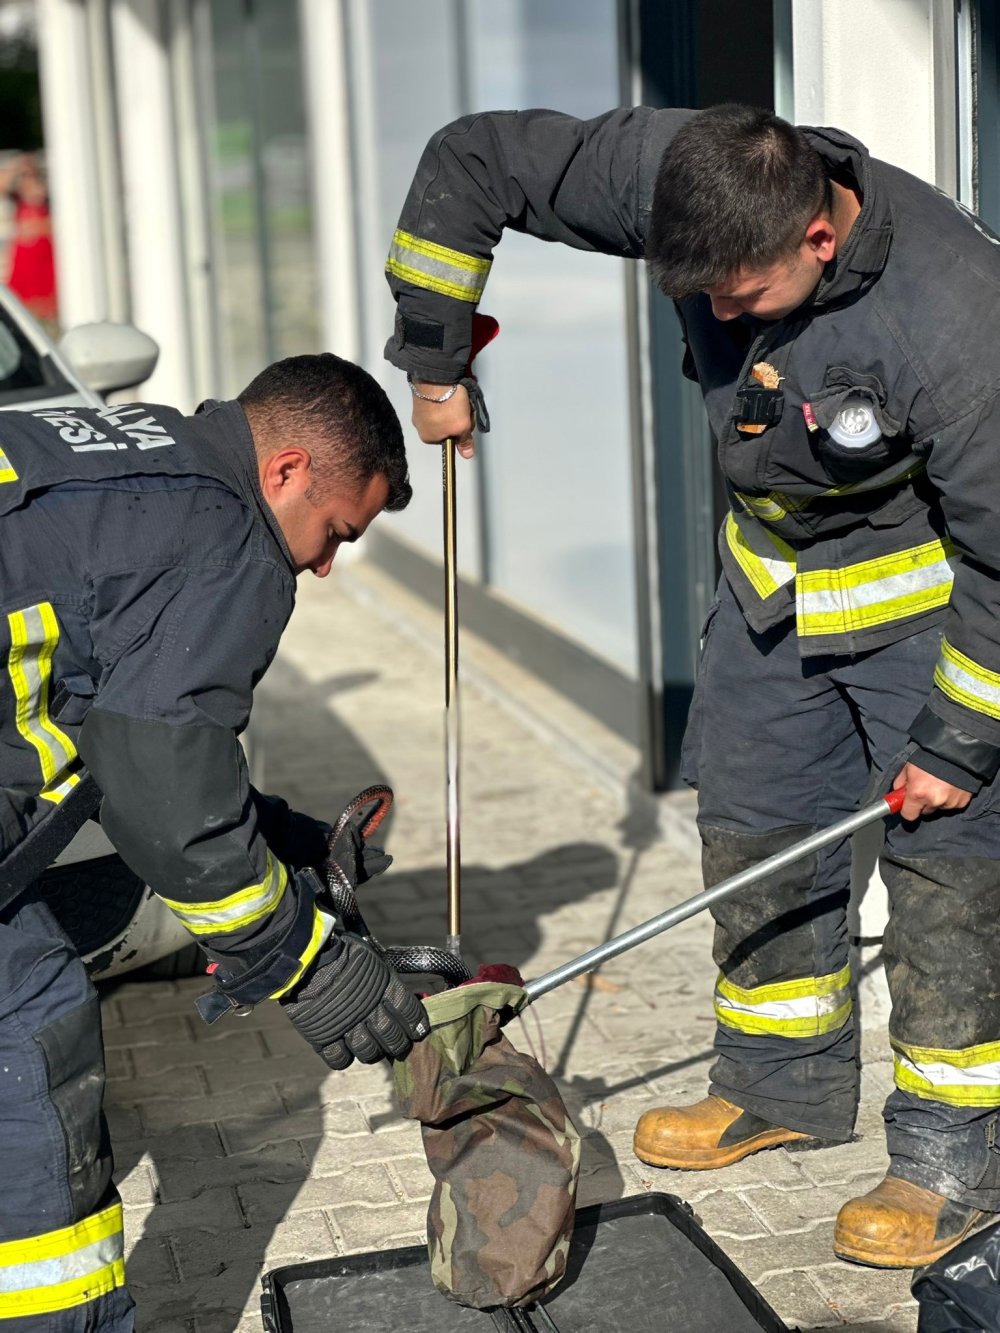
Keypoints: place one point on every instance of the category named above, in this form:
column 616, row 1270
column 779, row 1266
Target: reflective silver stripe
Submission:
column 806, row 1007
column 968, row 683
column 874, row 592
column 969, row 1076
column 7, row 472
column 63, row 1268
column 437, row 268
column 34, row 634
column 767, row 561
column 239, row 909
column 767, row 507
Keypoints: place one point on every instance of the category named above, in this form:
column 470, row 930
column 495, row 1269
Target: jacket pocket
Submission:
column 856, row 434
column 72, row 697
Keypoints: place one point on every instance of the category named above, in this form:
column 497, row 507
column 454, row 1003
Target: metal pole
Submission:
column 586, row 962
column 452, row 718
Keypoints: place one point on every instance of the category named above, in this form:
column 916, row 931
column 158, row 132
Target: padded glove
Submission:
column 352, row 1005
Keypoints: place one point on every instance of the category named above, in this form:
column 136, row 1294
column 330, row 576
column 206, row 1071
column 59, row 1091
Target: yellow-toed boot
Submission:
column 900, row 1225
column 710, row 1134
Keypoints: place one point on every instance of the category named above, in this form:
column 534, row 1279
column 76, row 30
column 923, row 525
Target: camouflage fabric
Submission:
column 503, row 1151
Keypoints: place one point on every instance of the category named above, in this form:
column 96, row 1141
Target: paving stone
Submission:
column 118, row 1063
column 845, row 1163
column 761, row 1257
column 136, row 1185
column 148, row 1262
column 272, row 1163
column 262, row 1102
column 296, row 1068
column 861, row 1293
column 215, row 1303
column 161, row 1056
column 191, row 1143
column 726, row 1215
column 376, row 1229
column 168, row 1027
column 179, row 1083
column 211, row 1210
column 796, row 1298
column 785, row 1211
column 246, row 1134
column 412, row 1176
column 368, row 1186
column 330, row 1155
column 298, row 1237
column 123, row 1123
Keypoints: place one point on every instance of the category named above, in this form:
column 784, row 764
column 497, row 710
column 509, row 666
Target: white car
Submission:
column 114, row 920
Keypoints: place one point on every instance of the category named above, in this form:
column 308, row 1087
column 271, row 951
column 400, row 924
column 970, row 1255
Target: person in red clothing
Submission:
column 31, row 273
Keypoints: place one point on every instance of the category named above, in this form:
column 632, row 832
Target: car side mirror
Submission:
column 110, row 356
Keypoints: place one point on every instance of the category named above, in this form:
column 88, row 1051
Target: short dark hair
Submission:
column 341, row 414
column 736, row 189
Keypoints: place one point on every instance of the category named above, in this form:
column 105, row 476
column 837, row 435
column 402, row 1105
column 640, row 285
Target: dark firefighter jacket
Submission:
column 145, row 584
column 862, row 546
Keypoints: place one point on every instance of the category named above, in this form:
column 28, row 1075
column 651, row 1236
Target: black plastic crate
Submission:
column 641, row 1264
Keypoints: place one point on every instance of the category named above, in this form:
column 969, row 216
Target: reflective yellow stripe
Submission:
column 7, row 472
column 34, row 633
column 776, row 505
column 806, row 1007
column 969, row 1076
column 63, row 1268
column 767, row 507
column 874, row 592
column 967, row 682
column 436, row 268
column 239, row 909
column 322, row 926
column 767, row 561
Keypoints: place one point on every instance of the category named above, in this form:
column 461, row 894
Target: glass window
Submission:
column 552, row 530
column 26, row 374
column 258, row 175
column 557, row 476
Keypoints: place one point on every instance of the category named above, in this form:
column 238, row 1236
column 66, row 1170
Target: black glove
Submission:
column 352, row 1005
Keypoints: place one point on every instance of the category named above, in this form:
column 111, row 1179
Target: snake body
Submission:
column 410, row 958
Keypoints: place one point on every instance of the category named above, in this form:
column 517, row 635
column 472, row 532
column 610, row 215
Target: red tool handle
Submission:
column 894, row 800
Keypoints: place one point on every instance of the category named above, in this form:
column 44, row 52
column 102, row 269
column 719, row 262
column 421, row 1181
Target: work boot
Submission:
column 900, row 1225
column 710, row 1134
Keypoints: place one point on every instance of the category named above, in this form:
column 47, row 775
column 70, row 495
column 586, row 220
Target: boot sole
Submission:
column 860, row 1250
column 708, row 1159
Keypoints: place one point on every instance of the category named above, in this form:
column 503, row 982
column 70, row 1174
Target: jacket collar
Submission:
column 864, row 254
column 226, row 432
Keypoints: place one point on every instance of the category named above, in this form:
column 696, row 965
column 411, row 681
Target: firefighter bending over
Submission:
column 148, row 569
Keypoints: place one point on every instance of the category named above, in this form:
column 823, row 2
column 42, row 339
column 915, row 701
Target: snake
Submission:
column 408, row 958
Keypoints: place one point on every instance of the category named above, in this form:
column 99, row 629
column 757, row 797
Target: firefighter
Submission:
column 148, row 569
column 843, row 321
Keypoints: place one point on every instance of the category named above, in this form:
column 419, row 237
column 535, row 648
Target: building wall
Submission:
column 882, row 71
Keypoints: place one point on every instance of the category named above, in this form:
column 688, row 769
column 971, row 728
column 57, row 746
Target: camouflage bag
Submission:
column 503, row 1151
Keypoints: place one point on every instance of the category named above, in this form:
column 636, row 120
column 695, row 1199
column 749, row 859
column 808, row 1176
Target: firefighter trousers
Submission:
column 779, row 746
column 61, row 1246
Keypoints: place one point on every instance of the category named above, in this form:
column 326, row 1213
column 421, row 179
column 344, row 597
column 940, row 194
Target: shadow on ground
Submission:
column 233, row 1122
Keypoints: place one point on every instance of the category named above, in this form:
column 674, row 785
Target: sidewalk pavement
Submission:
column 238, row 1151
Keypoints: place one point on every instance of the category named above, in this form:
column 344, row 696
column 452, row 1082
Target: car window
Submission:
column 26, row 373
